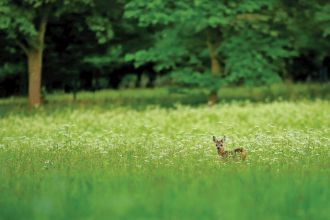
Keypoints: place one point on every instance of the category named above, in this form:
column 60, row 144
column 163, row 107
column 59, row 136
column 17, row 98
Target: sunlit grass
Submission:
column 161, row 163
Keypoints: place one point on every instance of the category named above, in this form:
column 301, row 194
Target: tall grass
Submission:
column 115, row 162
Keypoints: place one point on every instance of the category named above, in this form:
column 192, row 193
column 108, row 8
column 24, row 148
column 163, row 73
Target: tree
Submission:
column 217, row 31
column 128, row 38
column 25, row 23
column 305, row 24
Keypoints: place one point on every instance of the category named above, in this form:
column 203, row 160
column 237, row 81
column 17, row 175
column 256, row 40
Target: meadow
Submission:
column 148, row 154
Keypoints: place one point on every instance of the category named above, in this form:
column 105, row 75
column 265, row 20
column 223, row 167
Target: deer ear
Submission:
column 224, row 138
column 214, row 139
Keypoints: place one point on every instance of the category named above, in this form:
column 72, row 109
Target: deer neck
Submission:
column 221, row 151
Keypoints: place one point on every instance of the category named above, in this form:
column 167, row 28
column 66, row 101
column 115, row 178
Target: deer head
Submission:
column 219, row 143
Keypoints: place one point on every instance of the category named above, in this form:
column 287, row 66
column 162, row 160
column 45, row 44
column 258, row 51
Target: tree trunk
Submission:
column 215, row 66
column 34, row 68
column 215, row 70
column 212, row 98
column 34, row 51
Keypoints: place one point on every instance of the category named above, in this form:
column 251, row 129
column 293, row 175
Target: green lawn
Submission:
column 123, row 155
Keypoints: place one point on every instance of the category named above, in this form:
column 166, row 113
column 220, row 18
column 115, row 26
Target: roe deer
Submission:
column 223, row 153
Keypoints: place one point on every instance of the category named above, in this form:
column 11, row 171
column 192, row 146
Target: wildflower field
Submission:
column 90, row 160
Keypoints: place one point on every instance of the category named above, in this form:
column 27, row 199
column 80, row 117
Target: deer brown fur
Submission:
column 241, row 152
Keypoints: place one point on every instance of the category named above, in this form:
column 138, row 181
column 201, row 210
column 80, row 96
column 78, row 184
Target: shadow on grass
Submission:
column 141, row 99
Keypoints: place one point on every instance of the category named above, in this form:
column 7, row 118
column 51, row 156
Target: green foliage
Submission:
column 190, row 78
column 306, row 23
column 20, row 20
column 158, row 12
column 322, row 16
column 8, row 69
column 112, row 56
column 242, row 32
column 163, row 53
column 254, row 58
column 102, row 28
column 16, row 21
